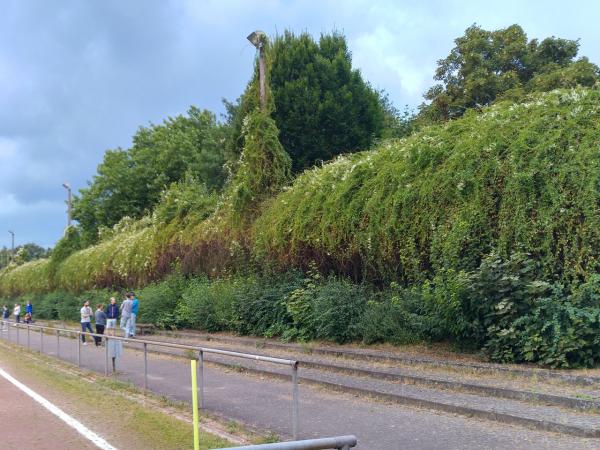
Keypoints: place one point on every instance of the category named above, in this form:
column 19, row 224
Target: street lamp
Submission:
column 258, row 39
column 13, row 244
column 67, row 186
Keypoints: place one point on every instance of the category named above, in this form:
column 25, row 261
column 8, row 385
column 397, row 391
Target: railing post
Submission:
column 28, row 346
column 201, row 369
column 106, row 357
column 145, row 365
column 78, row 336
column 41, row 340
column 58, row 344
column 295, row 415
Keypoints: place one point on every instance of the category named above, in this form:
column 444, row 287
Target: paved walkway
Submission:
column 266, row 404
column 28, row 425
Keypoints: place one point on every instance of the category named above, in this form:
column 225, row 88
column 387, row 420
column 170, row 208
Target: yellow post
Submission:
column 195, row 406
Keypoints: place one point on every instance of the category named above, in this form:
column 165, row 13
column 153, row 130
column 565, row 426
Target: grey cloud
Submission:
column 78, row 77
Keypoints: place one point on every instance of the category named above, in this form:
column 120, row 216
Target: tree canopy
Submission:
column 321, row 105
column 23, row 253
column 486, row 65
column 130, row 182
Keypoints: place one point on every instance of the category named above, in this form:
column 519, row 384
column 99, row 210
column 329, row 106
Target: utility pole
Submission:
column 67, row 186
column 258, row 38
column 13, row 244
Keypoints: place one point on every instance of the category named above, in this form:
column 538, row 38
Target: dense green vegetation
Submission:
column 129, row 183
column 515, row 177
column 22, row 254
column 321, row 105
column 486, row 65
column 483, row 231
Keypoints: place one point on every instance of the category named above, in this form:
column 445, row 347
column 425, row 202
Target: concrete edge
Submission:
column 513, row 394
column 511, row 419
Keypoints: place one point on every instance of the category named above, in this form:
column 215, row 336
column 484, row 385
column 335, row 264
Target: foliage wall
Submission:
column 515, row 177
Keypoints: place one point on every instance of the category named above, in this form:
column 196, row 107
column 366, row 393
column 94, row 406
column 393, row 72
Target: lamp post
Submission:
column 258, row 38
column 12, row 233
column 67, row 186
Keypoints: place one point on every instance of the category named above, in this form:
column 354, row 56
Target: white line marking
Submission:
column 73, row 423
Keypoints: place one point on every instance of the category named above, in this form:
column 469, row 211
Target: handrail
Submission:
column 338, row 442
column 201, row 351
column 287, row 362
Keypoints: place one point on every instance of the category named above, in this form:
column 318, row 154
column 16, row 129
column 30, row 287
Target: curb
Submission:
column 506, row 418
column 354, row 354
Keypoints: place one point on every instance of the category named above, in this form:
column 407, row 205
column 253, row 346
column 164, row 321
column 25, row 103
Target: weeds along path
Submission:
column 262, row 400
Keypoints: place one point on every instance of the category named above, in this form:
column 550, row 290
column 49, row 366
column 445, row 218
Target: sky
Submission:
column 78, row 77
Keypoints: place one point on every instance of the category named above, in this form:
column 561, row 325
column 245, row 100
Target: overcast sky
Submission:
column 79, row 76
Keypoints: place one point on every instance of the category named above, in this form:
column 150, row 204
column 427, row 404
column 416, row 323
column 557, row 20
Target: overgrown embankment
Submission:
column 516, row 177
column 484, row 231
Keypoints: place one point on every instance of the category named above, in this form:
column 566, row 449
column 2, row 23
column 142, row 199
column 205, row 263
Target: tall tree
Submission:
column 129, row 182
column 486, row 65
column 321, row 106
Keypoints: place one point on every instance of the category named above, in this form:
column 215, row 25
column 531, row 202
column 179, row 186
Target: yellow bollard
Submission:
column 195, row 405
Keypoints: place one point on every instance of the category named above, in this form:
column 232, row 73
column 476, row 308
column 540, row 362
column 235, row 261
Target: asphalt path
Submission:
column 265, row 403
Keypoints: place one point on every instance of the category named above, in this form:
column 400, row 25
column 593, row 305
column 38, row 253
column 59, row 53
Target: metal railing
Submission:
column 338, row 442
column 200, row 350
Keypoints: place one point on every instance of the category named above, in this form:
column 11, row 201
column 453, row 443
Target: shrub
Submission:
column 202, row 304
column 159, row 301
column 559, row 330
column 325, row 309
column 66, row 305
column 261, row 304
column 391, row 320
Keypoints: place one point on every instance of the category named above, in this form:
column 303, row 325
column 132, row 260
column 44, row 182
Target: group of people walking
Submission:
column 107, row 320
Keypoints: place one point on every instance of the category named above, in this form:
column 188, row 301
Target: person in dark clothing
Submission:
column 100, row 318
column 112, row 314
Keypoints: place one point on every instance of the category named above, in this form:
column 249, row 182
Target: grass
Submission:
column 105, row 404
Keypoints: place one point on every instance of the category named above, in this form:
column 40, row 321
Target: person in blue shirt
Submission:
column 29, row 309
column 134, row 313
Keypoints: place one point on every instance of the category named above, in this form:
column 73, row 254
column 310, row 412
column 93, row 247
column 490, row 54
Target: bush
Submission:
column 559, row 331
column 390, row 320
column 325, row 309
column 261, row 306
column 159, row 301
column 66, row 305
column 207, row 306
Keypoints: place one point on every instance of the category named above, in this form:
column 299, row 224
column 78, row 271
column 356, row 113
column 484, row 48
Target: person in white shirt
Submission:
column 86, row 317
column 17, row 312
